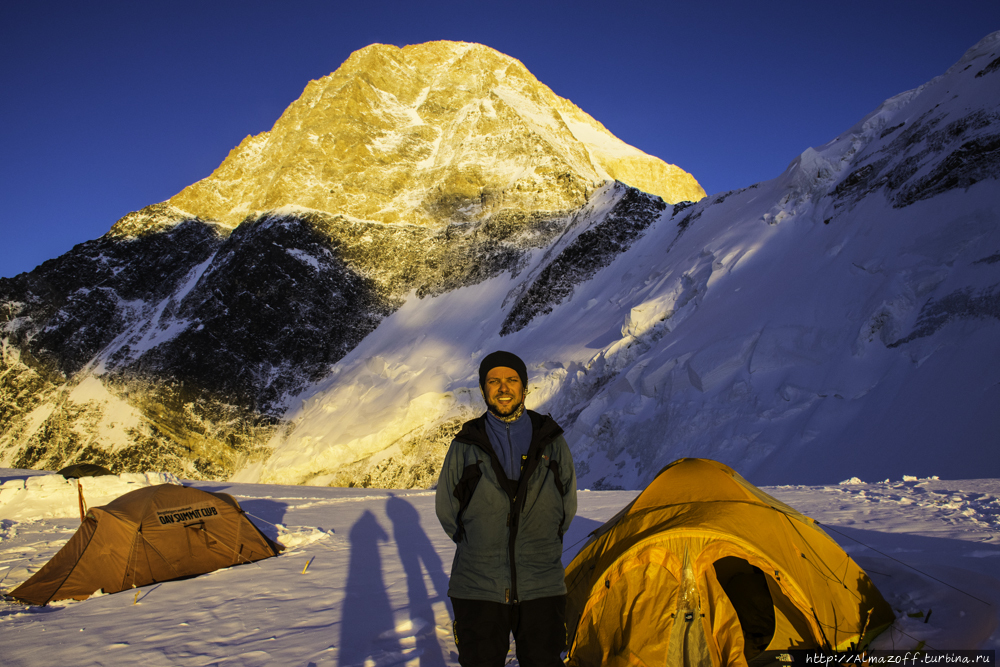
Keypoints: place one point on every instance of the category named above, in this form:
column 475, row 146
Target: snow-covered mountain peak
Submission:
column 428, row 134
column 955, row 111
column 987, row 46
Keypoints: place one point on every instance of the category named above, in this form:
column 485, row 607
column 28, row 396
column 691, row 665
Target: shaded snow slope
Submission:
column 844, row 314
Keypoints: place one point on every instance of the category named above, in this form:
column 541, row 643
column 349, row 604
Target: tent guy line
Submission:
column 930, row 576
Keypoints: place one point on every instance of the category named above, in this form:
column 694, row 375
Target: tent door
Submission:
column 746, row 587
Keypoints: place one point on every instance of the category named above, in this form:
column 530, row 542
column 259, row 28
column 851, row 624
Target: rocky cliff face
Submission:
column 177, row 341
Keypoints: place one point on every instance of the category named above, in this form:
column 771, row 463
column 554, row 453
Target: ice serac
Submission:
column 429, row 135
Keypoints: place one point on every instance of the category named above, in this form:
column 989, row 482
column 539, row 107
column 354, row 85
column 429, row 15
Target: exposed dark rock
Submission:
column 989, row 69
column 681, row 205
column 590, row 252
column 67, row 309
column 963, row 304
column 857, row 183
column 972, row 162
column 274, row 309
column 889, row 130
column 893, row 167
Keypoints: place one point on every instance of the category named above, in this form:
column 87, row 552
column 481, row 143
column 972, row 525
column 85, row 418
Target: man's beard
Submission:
column 507, row 415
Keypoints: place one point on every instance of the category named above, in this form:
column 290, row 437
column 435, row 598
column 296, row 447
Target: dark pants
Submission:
column 482, row 631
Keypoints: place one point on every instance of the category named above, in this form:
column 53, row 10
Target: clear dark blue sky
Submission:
column 106, row 107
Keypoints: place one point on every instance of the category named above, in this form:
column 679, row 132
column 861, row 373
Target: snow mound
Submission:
column 293, row 537
column 55, row 497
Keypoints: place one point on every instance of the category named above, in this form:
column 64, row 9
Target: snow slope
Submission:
column 364, row 578
column 842, row 315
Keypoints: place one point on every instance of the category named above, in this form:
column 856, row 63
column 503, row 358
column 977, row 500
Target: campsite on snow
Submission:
column 363, row 577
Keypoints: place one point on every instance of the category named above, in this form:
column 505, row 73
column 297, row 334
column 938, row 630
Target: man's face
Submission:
column 504, row 391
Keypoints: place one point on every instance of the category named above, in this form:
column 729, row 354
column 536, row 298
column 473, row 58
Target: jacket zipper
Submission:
column 510, row 594
column 512, row 521
column 510, row 447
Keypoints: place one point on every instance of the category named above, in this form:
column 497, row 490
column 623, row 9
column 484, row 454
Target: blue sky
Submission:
column 111, row 106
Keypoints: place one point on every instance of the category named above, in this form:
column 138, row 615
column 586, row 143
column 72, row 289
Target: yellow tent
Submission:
column 703, row 568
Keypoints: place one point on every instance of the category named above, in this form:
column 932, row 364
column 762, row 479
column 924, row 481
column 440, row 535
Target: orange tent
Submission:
column 152, row 534
column 705, row 568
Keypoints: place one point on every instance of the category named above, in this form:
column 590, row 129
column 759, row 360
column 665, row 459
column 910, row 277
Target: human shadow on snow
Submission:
column 416, row 553
column 366, row 611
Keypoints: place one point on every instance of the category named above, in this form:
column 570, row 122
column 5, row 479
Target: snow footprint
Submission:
column 403, row 639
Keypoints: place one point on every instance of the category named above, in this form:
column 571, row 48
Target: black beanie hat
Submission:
column 502, row 359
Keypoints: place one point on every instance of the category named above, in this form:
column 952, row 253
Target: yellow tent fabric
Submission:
column 703, row 568
column 152, row 534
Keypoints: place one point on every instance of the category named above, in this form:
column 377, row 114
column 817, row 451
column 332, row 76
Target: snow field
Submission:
column 363, row 580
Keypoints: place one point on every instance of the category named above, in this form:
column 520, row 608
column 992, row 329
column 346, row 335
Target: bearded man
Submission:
column 506, row 496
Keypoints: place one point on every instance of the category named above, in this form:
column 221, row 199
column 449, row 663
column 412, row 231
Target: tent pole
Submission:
column 83, row 505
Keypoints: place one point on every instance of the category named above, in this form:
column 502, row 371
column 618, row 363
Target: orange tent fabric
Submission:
column 705, row 568
column 152, row 534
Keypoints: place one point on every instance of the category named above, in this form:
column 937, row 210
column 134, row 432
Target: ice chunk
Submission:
column 780, row 347
column 715, row 363
column 646, row 315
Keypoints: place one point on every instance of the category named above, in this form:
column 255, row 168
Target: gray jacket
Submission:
column 509, row 533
